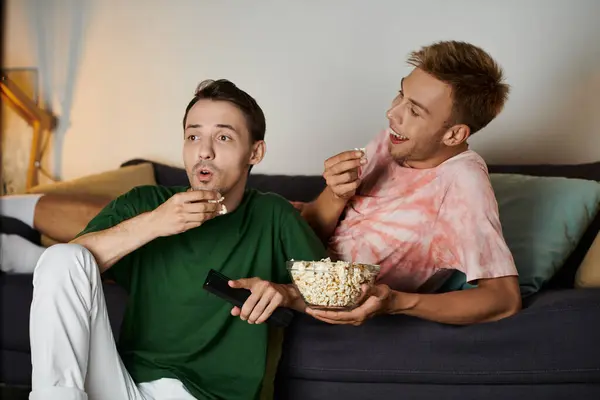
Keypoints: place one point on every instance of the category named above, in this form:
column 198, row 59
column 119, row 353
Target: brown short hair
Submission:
column 478, row 91
column 224, row 90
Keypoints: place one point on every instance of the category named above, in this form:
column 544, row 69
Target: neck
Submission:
column 234, row 196
column 438, row 159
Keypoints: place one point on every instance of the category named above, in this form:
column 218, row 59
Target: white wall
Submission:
column 324, row 73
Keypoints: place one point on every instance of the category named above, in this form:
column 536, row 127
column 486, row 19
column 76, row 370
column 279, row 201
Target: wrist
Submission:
column 149, row 226
column 292, row 298
column 401, row 302
column 337, row 200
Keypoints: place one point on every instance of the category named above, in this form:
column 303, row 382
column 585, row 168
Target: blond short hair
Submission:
column 478, row 90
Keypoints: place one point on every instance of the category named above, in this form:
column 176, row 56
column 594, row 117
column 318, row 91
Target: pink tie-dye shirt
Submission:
column 420, row 225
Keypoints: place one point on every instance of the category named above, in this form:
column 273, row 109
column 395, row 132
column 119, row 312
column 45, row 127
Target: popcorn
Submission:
column 325, row 284
column 223, row 209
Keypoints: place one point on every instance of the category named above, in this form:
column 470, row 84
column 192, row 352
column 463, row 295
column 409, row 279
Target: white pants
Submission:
column 73, row 351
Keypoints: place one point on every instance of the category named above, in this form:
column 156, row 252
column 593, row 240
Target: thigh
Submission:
column 107, row 378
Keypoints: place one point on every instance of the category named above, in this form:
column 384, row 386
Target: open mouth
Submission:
column 397, row 138
column 204, row 175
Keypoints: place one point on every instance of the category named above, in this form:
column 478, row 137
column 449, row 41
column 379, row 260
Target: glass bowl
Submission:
column 329, row 285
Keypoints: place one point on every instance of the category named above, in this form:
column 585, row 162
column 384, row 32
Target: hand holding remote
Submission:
column 237, row 293
column 265, row 298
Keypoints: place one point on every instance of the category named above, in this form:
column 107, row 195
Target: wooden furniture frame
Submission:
column 39, row 119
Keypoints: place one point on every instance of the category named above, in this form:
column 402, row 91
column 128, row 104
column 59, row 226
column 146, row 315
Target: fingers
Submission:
column 366, row 292
column 202, row 207
column 276, row 301
column 196, row 218
column 345, row 156
column 197, row 195
column 346, row 188
column 354, row 317
column 263, row 301
column 344, row 166
column 346, row 177
column 252, row 301
column 261, row 307
column 245, row 283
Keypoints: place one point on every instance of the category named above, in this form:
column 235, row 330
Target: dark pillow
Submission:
column 293, row 188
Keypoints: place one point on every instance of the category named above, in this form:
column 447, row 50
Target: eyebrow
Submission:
column 421, row 106
column 222, row 126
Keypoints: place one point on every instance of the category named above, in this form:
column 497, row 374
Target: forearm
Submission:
column 458, row 308
column 324, row 213
column 112, row 244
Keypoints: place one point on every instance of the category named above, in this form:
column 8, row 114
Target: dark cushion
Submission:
column 293, row 188
column 552, row 340
column 16, row 292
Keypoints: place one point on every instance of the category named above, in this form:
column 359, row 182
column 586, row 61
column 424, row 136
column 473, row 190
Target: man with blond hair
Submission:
column 419, row 202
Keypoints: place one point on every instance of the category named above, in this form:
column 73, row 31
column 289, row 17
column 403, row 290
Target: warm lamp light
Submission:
column 40, row 120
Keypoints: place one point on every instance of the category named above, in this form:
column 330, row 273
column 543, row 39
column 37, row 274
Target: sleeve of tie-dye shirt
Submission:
column 468, row 235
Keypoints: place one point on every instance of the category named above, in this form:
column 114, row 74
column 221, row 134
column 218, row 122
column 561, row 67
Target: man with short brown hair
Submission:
column 419, row 202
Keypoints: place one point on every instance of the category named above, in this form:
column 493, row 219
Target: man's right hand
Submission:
column 186, row 210
column 342, row 173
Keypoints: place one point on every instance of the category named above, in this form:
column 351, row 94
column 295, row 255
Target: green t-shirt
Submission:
column 175, row 329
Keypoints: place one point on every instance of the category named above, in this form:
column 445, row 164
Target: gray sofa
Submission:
column 547, row 351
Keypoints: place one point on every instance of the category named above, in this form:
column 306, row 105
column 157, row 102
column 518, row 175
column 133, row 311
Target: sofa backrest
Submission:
column 308, row 187
column 293, row 188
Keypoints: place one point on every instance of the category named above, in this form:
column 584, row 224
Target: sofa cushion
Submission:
column 552, row 340
column 543, row 220
column 111, row 183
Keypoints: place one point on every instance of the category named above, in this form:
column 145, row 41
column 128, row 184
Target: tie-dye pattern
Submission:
column 422, row 224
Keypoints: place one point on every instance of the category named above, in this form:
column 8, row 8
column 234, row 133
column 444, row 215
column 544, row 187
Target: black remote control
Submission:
column 217, row 284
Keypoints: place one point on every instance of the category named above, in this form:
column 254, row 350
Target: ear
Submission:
column 456, row 134
column 259, row 149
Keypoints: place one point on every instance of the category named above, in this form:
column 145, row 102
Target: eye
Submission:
column 223, row 138
column 400, row 93
column 413, row 112
column 192, row 137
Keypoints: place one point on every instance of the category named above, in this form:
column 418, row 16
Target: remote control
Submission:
column 217, row 284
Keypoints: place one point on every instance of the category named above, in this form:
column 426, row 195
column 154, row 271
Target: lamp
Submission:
column 40, row 120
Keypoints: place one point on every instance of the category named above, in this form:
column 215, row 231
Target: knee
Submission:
column 64, row 260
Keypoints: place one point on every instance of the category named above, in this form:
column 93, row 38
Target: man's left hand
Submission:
column 265, row 298
column 376, row 301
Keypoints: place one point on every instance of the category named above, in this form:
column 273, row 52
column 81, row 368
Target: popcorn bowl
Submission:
column 329, row 285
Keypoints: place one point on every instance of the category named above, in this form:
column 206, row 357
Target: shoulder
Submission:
column 147, row 196
column 465, row 177
column 271, row 202
column 467, row 168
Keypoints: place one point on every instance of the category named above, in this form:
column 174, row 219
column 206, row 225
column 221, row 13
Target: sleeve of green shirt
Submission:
column 299, row 240
column 117, row 211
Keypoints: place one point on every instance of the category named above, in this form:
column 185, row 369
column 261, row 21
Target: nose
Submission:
column 395, row 113
column 206, row 149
